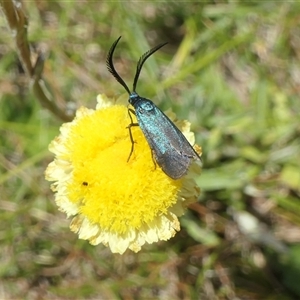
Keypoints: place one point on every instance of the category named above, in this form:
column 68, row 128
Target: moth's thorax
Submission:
column 141, row 104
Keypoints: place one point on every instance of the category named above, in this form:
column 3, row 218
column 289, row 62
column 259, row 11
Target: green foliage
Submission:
column 232, row 69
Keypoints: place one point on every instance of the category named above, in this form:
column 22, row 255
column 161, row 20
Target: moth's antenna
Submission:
column 141, row 61
column 111, row 68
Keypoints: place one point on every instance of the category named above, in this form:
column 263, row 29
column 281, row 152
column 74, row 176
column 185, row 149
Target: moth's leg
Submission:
column 153, row 158
column 131, row 111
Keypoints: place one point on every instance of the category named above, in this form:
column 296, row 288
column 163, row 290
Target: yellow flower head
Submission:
column 120, row 203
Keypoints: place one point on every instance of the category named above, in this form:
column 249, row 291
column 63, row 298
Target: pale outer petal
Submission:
column 163, row 228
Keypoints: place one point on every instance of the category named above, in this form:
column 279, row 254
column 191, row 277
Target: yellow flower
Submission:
column 122, row 204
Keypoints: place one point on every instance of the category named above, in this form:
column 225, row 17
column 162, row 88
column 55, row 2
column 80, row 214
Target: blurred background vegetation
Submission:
column 231, row 68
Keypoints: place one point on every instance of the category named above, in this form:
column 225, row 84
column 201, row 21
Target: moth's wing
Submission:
column 171, row 149
column 173, row 163
column 180, row 143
